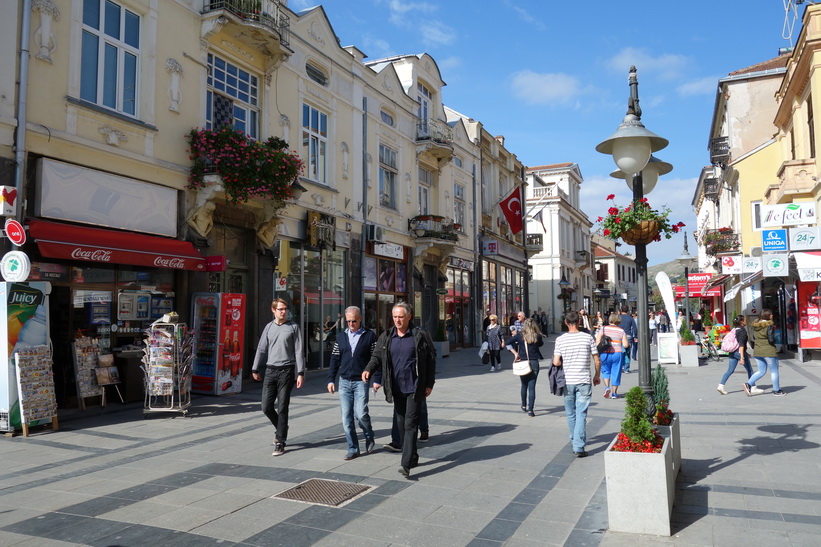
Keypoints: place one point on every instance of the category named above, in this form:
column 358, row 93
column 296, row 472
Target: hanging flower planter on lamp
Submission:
column 638, row 223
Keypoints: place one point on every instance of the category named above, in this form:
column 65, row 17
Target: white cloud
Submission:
column 666, row 66
column 544, row 89
column 525, row 16
column 301, row 5
column 702, row 86
column 436, row 33
column 376, row 48
column 399, row 10
column 449, row 63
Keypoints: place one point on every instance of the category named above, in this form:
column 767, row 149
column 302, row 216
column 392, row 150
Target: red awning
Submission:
column 58, row 240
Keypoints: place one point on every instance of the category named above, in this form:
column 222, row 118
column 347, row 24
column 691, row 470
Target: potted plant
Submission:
column 665, row 420
column 687, row 349
column 637, row 465
column 441, row 340
column 247, row 168
column 637, row 223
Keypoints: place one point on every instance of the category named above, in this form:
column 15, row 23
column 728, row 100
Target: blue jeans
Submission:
column 763, row 363
column 735, row 357
column 529, row 385
column 353, row 400
column 423, row 424
column 626, row 356
column 576, row 402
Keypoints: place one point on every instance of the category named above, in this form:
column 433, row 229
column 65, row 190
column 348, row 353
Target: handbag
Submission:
column 522, row 368
column 486, row 358
column 771, row 335
column 604, row 344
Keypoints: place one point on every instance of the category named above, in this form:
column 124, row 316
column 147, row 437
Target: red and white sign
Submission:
column 15, row 232
column 281, row 283
column 695, row 286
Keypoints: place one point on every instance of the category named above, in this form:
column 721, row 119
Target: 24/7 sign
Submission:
column 805, row 239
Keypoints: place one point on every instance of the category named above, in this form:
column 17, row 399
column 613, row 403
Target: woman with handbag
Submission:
column 765, row 355
column 495, row 343
column 739, row 355
column 525, row 347
column 611, row 355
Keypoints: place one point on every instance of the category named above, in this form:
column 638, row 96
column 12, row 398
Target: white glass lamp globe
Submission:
column 649, row 178
column 631, row 154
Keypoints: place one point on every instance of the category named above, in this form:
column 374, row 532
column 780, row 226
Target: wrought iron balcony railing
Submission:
column 434, row 130
column 721, row 241
column 534, row 243
column 711, row 188
column 719, row 150
column 264, row 12
column 434, row 226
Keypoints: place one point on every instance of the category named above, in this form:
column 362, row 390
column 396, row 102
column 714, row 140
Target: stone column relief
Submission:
column 345, row 159
column 174, row 93
column 43, row 36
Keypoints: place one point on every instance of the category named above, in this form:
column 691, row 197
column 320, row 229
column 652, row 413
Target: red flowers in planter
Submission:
column 624, row 444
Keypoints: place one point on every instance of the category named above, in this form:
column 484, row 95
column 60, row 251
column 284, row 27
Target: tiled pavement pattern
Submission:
column 489, row 476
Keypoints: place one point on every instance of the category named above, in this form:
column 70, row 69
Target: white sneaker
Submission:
column 492, row 368
column 498, row 367
column 721, row 389
column 756, row 390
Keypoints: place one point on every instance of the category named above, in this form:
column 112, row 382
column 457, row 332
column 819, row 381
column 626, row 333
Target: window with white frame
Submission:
column 424, row 97
column 459, row 204
column 485, row 204
column 457, row 161
column 387, row 176
column 315, row 143
column 387, row 117
column 755, row 207
column 232, row 97
column 425, row 183
column 502, row 185
column 110, row 55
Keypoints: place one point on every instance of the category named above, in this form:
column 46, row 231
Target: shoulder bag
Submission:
column 605, row 344
column 522, row 368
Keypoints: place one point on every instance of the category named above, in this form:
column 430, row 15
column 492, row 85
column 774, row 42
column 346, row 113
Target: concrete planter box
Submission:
column 442, row 348
column 640, row 491
column 673, row 432
column 688, row 356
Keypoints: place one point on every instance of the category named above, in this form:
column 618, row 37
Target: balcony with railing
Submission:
column 435, row 138
column 261, row 25
column 796, row 179
column 719, row 150
column 711, row 189
column 434, row 227
column 550, row 191
column 534, row 244
column 721, row 241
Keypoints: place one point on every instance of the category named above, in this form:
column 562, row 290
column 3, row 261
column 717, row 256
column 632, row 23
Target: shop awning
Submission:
column 809, row 265
column 328, row 297
column 716, row 281
column 735, row 289
column 70, row 242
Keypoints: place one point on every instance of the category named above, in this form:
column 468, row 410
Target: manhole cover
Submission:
column 324, row 492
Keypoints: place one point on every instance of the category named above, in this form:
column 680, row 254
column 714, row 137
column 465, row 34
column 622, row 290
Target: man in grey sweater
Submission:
column 280, row 352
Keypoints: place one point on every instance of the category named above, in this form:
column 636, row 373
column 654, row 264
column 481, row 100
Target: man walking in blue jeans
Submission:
column 628, row 325
column 572, row 352
column 350, row 354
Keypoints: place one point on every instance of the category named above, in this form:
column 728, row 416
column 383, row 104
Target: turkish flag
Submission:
column 512, row 208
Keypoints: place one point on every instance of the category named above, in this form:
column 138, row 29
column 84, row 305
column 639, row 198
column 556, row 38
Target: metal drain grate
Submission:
column 324, row 492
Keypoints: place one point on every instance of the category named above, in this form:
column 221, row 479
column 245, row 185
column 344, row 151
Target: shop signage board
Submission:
column 391, row 250
column 788, row 214
column 809, row 315
column 732, row 264
column 806, row 238
column 15, row 232
column 776, row 265
column 808, row 264
column 490, row 248
column 15, row 266
column 774, row 241
column 751, row 264
column 281, row 283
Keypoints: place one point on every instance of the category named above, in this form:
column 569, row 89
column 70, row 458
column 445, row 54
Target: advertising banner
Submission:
column 809, row 315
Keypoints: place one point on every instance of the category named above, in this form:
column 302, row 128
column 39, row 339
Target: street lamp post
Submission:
column 632, row 146
column 686, row 259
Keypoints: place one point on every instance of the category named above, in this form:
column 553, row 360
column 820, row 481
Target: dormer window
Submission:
column 316, row 74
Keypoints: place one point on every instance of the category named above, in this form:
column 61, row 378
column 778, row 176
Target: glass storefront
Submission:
column 315, row 287
column 458, row 308
column 385, row 283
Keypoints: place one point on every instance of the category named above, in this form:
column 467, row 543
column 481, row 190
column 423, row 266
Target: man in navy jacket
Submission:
column 351, row 352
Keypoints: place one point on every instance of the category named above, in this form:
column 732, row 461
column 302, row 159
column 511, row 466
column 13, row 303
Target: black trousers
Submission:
column 276, row 398
column 406, row 409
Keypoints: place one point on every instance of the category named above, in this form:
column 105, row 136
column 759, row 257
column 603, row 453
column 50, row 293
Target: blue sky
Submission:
column 552, row 76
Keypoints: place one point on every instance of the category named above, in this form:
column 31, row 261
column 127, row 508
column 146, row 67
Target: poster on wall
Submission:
column 370, row 274
column 387, row 279
column 809, row 315
column 401, row 278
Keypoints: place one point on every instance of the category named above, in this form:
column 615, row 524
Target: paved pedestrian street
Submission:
column 489, row 476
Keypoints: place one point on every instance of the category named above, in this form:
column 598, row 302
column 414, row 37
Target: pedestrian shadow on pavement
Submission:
column 470, row 455
column 692, row 496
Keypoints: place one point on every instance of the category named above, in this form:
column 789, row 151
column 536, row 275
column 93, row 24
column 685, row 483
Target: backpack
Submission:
column 730, row 342
column 604, row 344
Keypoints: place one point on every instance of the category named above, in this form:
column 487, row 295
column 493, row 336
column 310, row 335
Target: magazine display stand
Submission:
column 167, row 368
column 86, row 351
column 35, row 386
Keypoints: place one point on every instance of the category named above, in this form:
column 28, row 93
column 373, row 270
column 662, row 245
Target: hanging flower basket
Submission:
column 645, row 232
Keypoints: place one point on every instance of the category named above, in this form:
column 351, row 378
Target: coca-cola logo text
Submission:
column 163, row 262
column 96, row 255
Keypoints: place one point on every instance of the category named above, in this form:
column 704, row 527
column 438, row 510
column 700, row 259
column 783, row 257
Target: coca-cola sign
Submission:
column 94, row 255
column 166, row 262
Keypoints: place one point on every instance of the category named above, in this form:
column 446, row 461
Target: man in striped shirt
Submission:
column 572, row 352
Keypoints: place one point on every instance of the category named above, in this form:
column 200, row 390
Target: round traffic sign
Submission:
column 15, row 232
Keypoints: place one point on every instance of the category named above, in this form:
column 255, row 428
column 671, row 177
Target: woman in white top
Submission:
column 654, row 339
column 611, row 359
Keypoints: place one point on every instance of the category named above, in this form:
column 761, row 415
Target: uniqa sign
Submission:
column 788, row 214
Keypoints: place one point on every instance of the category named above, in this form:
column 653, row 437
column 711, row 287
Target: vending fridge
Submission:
column 24, row 313
column 218, row 322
